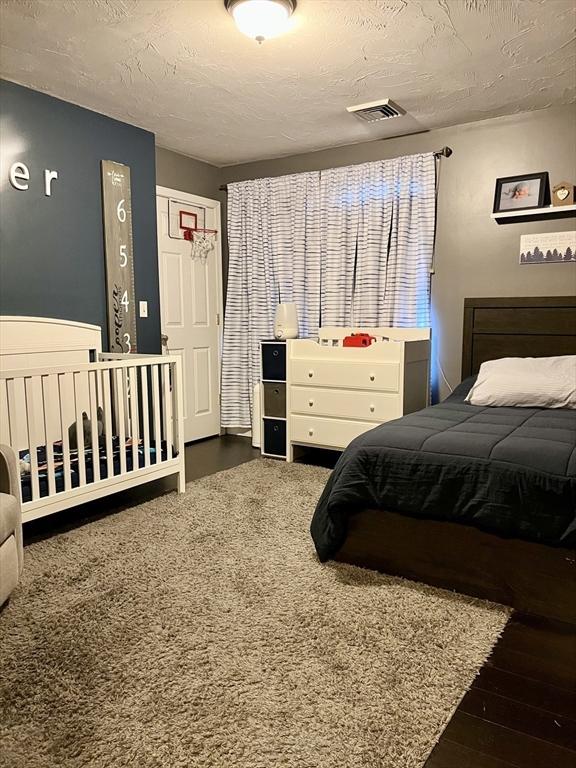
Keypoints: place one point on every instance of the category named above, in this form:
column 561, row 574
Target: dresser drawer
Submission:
column 346, row 404
column 333, row 433
column 331, row 373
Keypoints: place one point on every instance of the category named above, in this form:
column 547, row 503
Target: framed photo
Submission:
column 519, row 193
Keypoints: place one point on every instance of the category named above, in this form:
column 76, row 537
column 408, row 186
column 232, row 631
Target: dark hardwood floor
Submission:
column 521, row 709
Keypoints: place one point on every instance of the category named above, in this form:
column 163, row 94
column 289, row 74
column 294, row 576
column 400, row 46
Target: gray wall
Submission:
column 51, row 248
column 185, row 174
column 474, row 255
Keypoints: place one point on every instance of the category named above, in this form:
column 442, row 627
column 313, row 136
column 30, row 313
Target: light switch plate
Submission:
column 143, row 308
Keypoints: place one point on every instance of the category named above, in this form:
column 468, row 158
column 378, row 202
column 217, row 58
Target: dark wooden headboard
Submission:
column 542, row 326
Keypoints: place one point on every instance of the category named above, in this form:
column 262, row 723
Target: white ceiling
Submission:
column 181, row 69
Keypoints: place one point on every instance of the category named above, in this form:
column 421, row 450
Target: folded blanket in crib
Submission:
column 42, row 458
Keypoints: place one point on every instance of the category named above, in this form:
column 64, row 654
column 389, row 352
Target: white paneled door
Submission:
column 190, row 306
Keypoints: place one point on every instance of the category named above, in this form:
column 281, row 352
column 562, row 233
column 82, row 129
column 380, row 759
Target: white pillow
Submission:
column 528, row 382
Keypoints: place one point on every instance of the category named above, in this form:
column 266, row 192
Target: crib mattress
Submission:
column 41, row 452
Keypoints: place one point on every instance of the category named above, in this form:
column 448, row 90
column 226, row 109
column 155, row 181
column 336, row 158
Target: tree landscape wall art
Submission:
column 548, row 248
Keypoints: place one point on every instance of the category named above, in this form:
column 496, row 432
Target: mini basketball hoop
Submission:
column 184, row 226
column 202, row 240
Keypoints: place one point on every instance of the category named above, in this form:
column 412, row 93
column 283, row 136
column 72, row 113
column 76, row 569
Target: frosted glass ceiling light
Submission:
column 261, row 19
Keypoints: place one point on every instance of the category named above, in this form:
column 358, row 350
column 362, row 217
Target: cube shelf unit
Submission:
column 273, row 399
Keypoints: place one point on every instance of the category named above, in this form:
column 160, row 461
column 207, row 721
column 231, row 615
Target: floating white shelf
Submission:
column 548, row 211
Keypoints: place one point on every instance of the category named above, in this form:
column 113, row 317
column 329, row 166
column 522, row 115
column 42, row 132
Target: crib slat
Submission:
column 107, row 407
column 135, row 429
column 65, row 440
column 145, row 413
column 94, row 426
column 178, row 405
column 156, row 413
column 5, row 436
column 167, row 404
column 12, row 411
column 121, row 424
column 32, row 447
column 79, row 431
column 115, row 405
column 47, row 409
column 126, row 394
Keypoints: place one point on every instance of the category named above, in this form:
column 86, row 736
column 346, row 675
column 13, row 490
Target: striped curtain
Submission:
column 378, row 225
column 274, row 256
column 350, row 246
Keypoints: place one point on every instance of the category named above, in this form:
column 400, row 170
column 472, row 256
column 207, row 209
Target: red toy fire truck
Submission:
column 358, row 340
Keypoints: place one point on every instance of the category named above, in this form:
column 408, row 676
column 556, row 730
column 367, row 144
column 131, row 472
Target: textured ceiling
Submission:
column 181, row 69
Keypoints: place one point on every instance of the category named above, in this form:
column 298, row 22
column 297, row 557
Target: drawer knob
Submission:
column 371, row 409
column 372, row 377
column 310, row 374
column 310, row 432
column 275, row 353
column 310, row 403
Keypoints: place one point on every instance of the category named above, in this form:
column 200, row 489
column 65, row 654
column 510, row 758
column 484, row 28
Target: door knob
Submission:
column 164, row 340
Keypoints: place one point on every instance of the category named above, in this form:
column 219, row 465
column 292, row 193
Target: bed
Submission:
column 488, row 507
column 85, row 423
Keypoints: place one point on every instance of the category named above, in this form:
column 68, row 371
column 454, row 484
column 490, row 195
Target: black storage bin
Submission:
column 275, row 437
column 274, row 362
column 274, row 399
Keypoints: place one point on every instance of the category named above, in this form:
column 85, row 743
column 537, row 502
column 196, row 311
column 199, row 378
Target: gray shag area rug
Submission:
column 201, row 631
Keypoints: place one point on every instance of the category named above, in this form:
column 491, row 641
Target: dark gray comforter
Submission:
column 509, row 471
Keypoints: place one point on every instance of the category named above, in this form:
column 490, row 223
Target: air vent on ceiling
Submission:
column 376, row 110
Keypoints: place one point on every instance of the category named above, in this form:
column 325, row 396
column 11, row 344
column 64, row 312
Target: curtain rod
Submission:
column 444, row 152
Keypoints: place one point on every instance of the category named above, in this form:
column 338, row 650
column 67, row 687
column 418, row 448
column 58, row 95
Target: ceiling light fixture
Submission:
column 261, row 19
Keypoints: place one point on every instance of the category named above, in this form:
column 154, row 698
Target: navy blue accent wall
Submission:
column 52, row 248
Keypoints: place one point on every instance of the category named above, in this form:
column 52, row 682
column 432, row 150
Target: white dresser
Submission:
column 336, row 393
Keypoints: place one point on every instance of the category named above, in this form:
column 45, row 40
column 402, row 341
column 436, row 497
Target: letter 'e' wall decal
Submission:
column 117, row 212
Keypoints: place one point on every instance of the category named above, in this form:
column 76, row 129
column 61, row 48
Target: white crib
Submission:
column 123, row 413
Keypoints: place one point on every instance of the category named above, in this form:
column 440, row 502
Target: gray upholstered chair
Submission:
column 11, row 550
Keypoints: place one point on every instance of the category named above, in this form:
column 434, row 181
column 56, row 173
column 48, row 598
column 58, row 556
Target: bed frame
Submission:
column 532, row 578
column 51, row 373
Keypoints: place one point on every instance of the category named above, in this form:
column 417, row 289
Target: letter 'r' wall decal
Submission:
column 117, row 212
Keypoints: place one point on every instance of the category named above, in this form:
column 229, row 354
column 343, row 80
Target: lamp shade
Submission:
column 286, row 322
